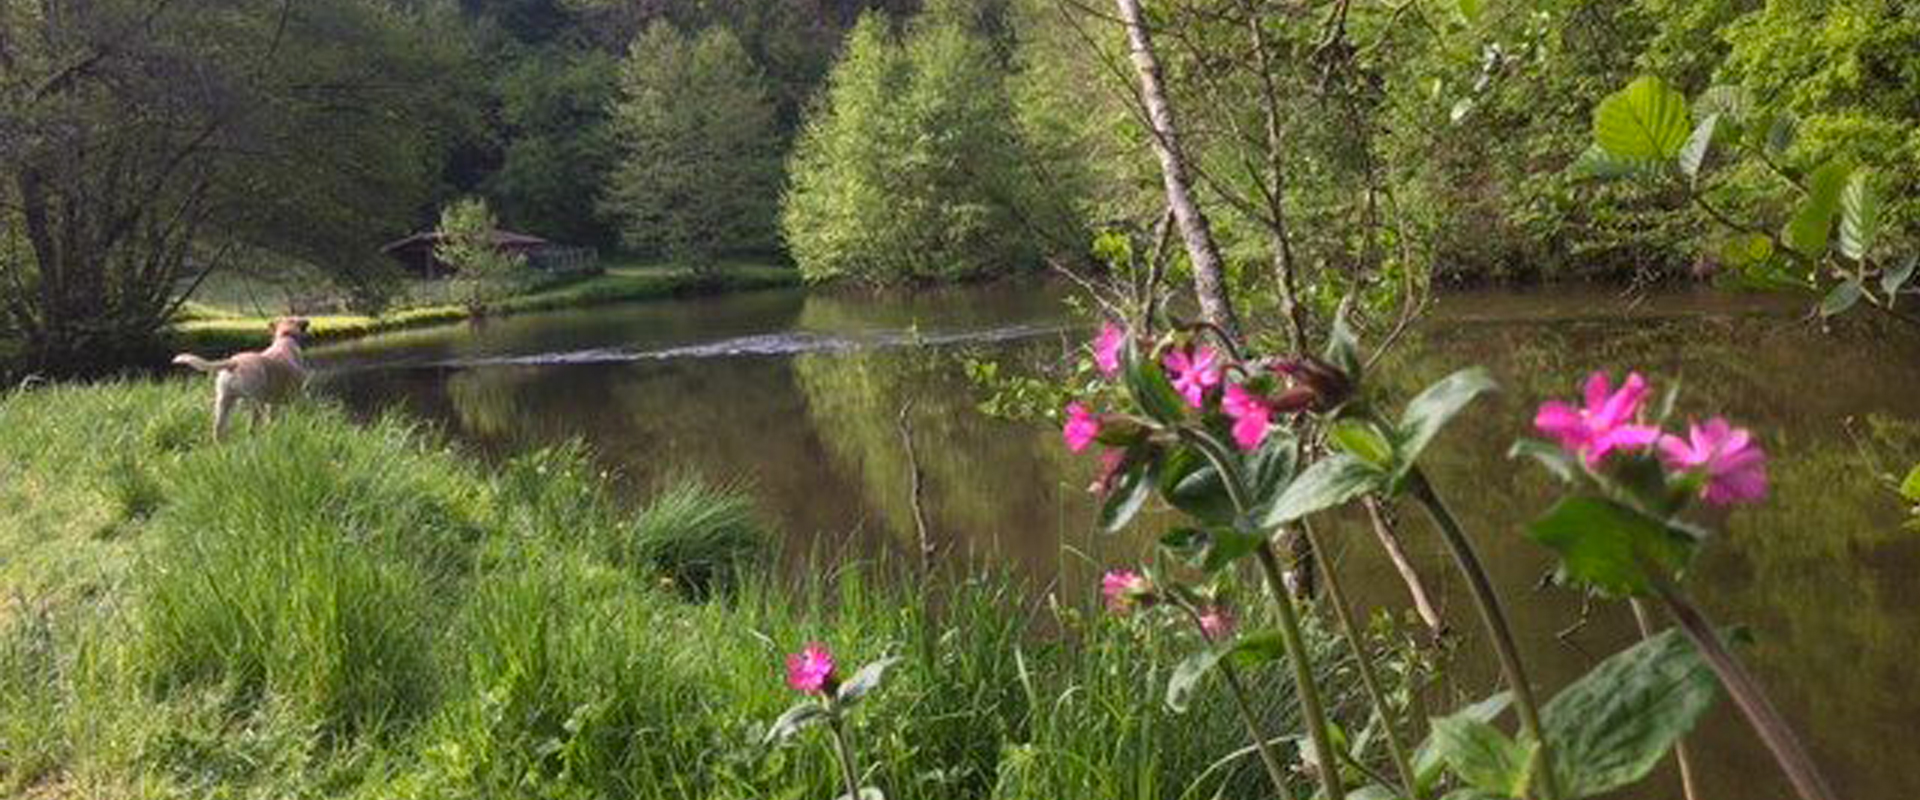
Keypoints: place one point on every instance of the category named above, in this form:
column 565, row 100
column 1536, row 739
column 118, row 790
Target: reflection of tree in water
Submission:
column 488, row 400
column 990, row 486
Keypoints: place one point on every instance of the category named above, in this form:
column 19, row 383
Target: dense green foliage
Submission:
column 327, row 609
column 910, row 169
column 699, row 170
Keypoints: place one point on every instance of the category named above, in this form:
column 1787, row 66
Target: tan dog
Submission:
column 270, row 377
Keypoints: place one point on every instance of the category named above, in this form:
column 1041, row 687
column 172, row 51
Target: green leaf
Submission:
column 1694, row 152
column 1645, row 121
column 1733, row 104
column 1427, row 761
column 794, row 719
column 1807, row 232
column 1187, row 675
column 1610, row 727
column 1343, row 347
column 1361, row 439
column 1556, row 459
column 1859, row 216
column 1257, row 647
column 1893, row 279
column 1128, row 494
column 1843, row 296
column 1431, row 410
column 1269, row 470
column 1482, row 756
column 1910, row 488
column 1471, row 10
column 1324, row 484
column 1188, row 482
column 1607, row 545
column 865, row 680
column 1596, row 162
column 1209, row 549
column 1741, row 250
column 1148, row 384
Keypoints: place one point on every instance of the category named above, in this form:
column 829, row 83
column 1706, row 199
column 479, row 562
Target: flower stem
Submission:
column 1681, row 754
column 1369, row 678
column 1312, row 710
column 1275, row 772
column 1495, row 620
column 1747, row 694
column 845, row 753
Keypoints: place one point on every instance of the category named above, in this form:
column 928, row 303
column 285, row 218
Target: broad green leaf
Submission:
column 1859, row 216
column 1893, row 279
column 1269, row 470
column 1209, row 549
column 1910, row 488
column 1609, row 546
column 1610, row 727
column 1645, row 121
column 1482, row 756
column 794, row 719
column 1361, row 439
column 865, row 680
column 1596, row 162
column 1556, row 459
column 1257, row 647
column 1343, row 347
column 1427, row 762
column 1843, row 296
column 1188, row 481
column 1812, row 223
column 1187, row 675
column 1324, row 484
column 1128, row 493
column 1694, row 152
column 1431, row 410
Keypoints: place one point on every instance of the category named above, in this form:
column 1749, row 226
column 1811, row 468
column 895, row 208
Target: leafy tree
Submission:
column 467, row 243
column 910, row 168
column 559, row 151
column 144, row 141
column 699, row 167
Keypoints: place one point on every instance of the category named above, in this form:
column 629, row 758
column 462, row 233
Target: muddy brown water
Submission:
column 799, row 397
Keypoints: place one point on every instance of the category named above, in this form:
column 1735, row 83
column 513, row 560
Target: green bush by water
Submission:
column 319, row 608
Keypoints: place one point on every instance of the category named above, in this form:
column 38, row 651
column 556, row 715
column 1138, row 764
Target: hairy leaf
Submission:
column 1483, row 756
column 1361, row 439
column 1610, row 727
column 1893, row 279
column 1609, row 546
column 1431, row 410
column 1552, row 456
column 865, row 680
column 1187, row 675
column 1843, row 296
column 1128, row 494
column 1324, row 484
column 1859, row 216
column 794, row 719
column 1427, row 761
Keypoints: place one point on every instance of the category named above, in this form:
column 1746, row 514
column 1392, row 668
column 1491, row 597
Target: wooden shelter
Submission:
column 416, row 252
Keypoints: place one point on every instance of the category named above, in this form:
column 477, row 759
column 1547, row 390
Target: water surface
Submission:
column 801, row 397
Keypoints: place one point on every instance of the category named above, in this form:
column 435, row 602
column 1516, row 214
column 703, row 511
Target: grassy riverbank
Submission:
column 324, row 609
column 214, row 329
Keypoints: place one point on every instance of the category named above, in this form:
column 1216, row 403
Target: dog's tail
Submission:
column 201, row 364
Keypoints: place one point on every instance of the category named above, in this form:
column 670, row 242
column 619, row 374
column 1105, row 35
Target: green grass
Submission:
column 317, row 608
column 210, row 328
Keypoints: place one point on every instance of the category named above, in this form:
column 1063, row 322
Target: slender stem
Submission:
column 1747, row 694
column 1383, row 530
column 845, row 753
column 1275, row 772
column 1312, row 710
column 1369, row 678
column 1495, row 620
column 1680, row 751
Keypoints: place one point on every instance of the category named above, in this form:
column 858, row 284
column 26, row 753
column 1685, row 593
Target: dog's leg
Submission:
column 223, row 399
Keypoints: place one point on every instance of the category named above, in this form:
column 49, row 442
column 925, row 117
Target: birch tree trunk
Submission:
column 1209, row 275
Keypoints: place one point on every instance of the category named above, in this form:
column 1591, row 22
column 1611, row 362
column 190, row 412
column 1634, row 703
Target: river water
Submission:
column 799, row 397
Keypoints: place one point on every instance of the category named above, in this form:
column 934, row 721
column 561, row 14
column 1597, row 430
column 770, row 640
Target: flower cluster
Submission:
column 1250, row 396
column 1730, row 465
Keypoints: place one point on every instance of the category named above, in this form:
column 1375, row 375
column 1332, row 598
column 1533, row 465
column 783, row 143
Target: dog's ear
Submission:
column 301, row 322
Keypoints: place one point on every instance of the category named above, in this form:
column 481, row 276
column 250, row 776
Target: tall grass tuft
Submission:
column 696, row 535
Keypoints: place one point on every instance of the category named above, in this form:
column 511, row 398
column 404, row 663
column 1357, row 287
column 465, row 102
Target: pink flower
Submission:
column 811, row 670
column 1605, row 425
column 1194, row 372
column 1106, row 348
column 1735, row 467
column 1251, row 416
column 1125, row 588
column 1216, row 623
column 1082, row 427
